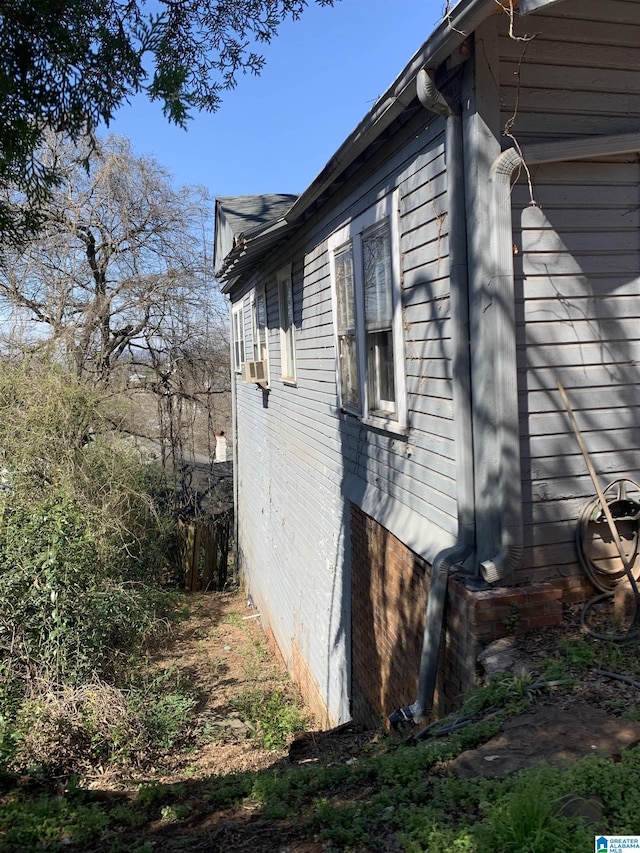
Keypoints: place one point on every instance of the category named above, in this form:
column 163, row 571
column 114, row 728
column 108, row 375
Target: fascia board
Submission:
column 256, row 244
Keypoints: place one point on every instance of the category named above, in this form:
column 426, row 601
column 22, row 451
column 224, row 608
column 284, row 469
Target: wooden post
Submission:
column 188, row 561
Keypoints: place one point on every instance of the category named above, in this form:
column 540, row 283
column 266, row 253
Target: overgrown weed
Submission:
column 272, row 716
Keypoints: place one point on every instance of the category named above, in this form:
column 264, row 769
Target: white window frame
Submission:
column 259, row 328
column 284, row 280
column 353, row 234
column 237, row 334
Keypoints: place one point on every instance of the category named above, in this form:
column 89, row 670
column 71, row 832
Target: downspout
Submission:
column 509, row 518
column 234, row 431
column 450, row 559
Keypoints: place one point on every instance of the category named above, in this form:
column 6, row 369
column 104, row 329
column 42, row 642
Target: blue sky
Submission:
column 275, row 132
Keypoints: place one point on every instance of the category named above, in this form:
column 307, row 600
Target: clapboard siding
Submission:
column 425, row 479
column 578, row 321
column 577, row 291
column 582, row 65
column 290, row 510
column 298, row 455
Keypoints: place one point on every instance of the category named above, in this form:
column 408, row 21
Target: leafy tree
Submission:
column 67, row 65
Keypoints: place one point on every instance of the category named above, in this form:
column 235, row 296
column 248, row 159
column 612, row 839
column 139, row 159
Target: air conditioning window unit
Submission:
column 255, row 371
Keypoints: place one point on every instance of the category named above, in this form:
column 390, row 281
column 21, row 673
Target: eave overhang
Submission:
column 450, row 35
column 251, row 247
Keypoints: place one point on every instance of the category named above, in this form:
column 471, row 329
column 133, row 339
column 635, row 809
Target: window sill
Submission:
column 291, row 383
column 381, row 424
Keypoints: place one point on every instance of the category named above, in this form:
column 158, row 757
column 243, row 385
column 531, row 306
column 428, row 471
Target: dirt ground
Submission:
column 222, row 651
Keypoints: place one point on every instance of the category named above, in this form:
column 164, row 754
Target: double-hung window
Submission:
column 364, row 262
column 259, row 370
column 237, row 323
column 287, row 326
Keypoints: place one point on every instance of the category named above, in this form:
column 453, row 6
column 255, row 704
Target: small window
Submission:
column 287, row 328
column 368, row 316
column 378, row 319
column 238, row 337
column 259, row 331
column 260, row 326
column 346, row 326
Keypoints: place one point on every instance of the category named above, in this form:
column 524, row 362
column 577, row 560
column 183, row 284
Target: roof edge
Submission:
column 451, row 32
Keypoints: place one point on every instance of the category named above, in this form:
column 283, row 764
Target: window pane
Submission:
column 376, row 255
column 260, row 330
column 348, row 360
column 378, row 301
column 287, row 329
column 347, row 353
column 288, row 295
column 238, row 339
column 382, row 393
column 345, row 295
column 261, row 311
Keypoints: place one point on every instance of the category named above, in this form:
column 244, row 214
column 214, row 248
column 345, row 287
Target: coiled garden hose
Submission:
column 603, row 574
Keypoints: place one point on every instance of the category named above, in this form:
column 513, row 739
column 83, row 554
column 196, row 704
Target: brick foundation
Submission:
column 389, row 597
column 389, row 586
column 310, row 690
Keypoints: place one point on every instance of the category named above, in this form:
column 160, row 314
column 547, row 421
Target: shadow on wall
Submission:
column 577, row 321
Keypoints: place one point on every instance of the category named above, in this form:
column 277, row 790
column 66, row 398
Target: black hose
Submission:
column 634, row 629
column 617, row 677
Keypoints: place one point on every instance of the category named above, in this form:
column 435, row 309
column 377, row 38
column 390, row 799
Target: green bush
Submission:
column 86, row 540
column 163, row 708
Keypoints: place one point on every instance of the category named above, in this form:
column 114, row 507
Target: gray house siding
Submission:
column 579, row 308
column 311, row 477
column 577, row 282
column 290, row 525
column 301, row 462
column 415, row 471
column 579, row 75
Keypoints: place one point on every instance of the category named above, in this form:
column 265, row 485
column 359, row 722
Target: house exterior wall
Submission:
column 301, row 462
column 339, row 522
column 389, row 593
column 576, row 265
column 579, row 75
column 290, row 530
column 578, row 303
column 389, row 586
